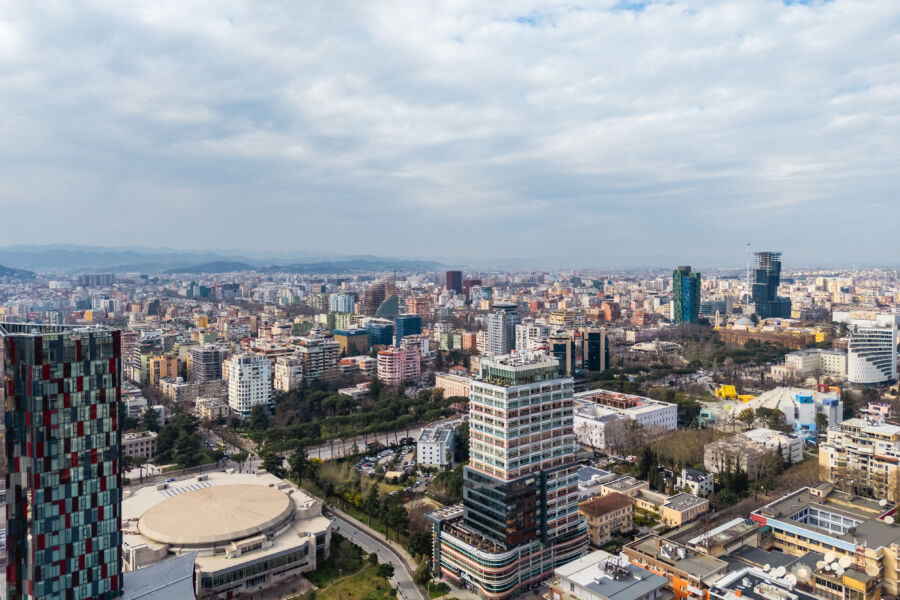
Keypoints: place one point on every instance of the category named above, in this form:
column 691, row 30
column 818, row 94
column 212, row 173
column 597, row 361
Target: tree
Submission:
column 461, row 448
column 150, row 420
column 240, row 458
column 821, row 423
column 186, row 449
column 423, row 574
column 299, row 463
column 259, row 420
column 273, row 463
column 385, row 570
column 420, row 543
column 748, row 415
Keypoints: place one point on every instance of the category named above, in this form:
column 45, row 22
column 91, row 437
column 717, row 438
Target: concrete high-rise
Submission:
column 60, row 387
column 766, row 278
column 453, row 281
column 501, row 328
column 519, row 518
column 685, row 295
column 206, row 362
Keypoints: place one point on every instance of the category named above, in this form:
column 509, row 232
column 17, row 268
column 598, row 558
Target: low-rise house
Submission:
column 606, row 516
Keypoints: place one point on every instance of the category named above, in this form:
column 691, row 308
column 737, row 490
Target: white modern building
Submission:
column 699, row 483
column 531, row 336
column 872, row 354
column 501, row 328
column 249, row 382
column 791, row 445
column 646, row 411
column 434, row 447
column 341, row 303
column 288, row 372
column 799, row 406
column 812, row 362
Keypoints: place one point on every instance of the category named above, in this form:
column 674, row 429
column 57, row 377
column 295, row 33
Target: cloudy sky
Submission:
column 472, row 129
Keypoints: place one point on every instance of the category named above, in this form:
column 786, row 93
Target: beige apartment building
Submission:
column 607, row 515
column 864, row 453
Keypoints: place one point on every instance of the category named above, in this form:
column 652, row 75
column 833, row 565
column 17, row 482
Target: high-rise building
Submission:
column 249, row 382
column 519, row 519
column 468, row 284
column 381, row 332
column 872, row 353
column 531, row 336
column 501, row 328
column 396, row 365
column 766, row 277
column 206, row 362
column 318, row 354
column 454, row 281
column 407, row 325
column 685, row 295
column 341, row 303
column 561, row 345
column 595, row 354
column 380, row 299
column 60, row 387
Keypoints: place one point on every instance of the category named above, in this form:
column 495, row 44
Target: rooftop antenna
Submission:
column 749, row 289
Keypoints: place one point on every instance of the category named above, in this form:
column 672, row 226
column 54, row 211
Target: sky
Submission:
column 468, row 129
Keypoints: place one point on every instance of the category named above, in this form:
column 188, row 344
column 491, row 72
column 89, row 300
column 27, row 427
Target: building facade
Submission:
column 396, row 365
column 501, row 328
column 434, row 448
column 864, row 456
column 249, row 382
column 519, row 519
column 872, row 355
column 60, row 388
column 206, row 362
column 406, row 325
column 453, row 281
column 766, row 278
column 685, row 295
column 607, row 515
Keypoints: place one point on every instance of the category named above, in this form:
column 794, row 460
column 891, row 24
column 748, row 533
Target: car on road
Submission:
column 170, row 480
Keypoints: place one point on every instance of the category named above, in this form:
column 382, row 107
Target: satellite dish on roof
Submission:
column 791, row 579
column 872, row 570
column 882, row 502
column 767, row 567
column 803, row 574
column 830, row 556
column 839, row 570
column 827, row 566
column 780, row 571
column 845, row 562
column 820, row 564
column 889, row 520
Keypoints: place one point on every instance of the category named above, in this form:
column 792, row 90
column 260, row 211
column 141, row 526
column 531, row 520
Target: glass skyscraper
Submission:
column 766, row 277
column 685, row 295
column 519, row 518
column 406, row 325
column 61, row 388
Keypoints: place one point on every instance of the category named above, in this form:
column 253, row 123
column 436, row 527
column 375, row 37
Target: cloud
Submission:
column 464, row 128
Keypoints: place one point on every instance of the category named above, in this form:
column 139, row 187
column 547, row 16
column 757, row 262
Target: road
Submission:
column 342, row 448
column 373, row 542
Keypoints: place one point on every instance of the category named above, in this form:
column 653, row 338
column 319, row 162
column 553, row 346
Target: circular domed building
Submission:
column 248, row 530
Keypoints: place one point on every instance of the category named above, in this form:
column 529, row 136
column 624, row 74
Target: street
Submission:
column 342, row 448
column 403, row 573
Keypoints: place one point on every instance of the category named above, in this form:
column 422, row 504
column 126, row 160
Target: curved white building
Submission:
column 872, row 355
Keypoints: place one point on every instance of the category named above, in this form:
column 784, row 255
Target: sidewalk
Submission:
column 379, row 536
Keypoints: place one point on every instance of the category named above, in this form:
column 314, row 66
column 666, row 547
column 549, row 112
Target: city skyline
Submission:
column 641, row 126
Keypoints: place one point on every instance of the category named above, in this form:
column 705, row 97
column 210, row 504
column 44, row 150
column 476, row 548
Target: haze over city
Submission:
column 463, row 130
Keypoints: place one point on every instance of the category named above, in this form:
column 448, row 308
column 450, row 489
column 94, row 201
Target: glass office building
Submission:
column 766, row 278
column 685, row 295
column 407, row 325
column 61, row 388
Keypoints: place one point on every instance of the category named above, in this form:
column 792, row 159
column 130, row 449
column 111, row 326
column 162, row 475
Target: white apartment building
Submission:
column 699, row 483
column 872, row 354
column 812, row 362
column 866, row 452
column 646, row 411
column 501, row 328
column 791, row 445
column 531, row 336
column 342, row 303
column 434, row 447
column 249, row 382
column 288, row 372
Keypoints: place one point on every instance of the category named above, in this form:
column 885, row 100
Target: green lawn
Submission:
column 436, row 590
column 344, row 559
column 363, row 585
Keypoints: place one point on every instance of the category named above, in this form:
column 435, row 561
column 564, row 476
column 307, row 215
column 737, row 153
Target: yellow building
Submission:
column 161, row 366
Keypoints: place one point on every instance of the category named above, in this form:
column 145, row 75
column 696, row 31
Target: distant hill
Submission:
column 217, row 266
column 15, row 273
column 350, row 266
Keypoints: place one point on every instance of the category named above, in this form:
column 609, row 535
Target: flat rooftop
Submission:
column 36, row 329
column 700, row 566
column 863, row 512
column 609, row 577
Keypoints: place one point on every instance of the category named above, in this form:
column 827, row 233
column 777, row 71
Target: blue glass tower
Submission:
column 407, row 325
